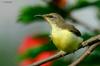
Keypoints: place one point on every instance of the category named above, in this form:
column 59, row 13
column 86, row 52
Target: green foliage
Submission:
column 82, row 1
column 98, row 12
column 82, row 4
column 86, row 36
column 28, row 14
column 98, row 4
column 59, row 62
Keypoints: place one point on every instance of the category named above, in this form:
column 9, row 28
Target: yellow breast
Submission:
column 65, row 40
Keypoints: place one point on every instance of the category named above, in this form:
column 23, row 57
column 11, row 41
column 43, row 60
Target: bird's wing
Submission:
column 72, row 29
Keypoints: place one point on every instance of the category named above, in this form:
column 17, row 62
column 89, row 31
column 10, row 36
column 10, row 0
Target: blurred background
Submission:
column 24, row 38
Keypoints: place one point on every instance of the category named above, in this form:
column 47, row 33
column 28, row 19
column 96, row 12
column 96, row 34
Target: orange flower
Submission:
column 60, row 3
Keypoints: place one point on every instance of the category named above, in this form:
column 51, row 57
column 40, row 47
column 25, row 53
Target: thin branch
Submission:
column 85, row 54
column 91, row 41
column 88, row 42
column 56, row 56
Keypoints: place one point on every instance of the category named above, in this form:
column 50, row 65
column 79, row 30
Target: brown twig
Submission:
column 56, row 56
column 85, row 54
column 88, row 42
column 91, row 41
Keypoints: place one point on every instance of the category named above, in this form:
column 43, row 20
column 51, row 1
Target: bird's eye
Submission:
column 50, row 16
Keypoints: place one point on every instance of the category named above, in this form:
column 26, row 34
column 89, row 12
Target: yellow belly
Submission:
column 66, row 40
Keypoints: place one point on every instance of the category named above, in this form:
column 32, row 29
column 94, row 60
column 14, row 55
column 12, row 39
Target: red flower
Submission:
column 45, row 55
column 41, row 56
column 30, row 42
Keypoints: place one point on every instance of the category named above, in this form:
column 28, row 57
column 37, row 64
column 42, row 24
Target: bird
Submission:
column 66, row 37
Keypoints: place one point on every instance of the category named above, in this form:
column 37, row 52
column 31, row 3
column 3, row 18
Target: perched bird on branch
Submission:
column 65, row 36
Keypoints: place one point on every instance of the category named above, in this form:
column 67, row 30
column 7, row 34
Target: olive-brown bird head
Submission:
column 53, row 18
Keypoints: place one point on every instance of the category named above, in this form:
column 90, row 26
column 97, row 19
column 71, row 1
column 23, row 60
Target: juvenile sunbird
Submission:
column 65, row 36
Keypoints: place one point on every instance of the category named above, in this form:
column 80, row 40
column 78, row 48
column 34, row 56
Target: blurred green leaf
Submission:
column 59, row 62
column 81, row 1
column 86, row 36
column 27, row 14
column 82, row 4
column 98, row 14
column 98, row 7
